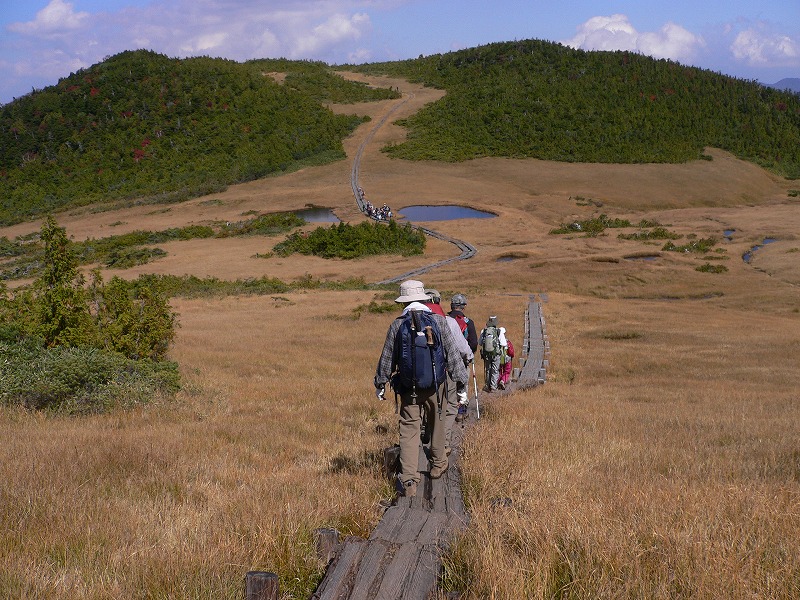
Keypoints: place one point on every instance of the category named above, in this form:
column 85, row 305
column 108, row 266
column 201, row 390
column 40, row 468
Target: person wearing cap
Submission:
column 412, row 404
column 456, row 396
column 457, row 306
column 491, row 361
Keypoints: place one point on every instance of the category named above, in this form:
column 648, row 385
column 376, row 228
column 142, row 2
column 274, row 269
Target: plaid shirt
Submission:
column 455, row 364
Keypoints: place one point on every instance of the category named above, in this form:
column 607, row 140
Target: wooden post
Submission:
column 261, row 585
column 326, row 539
column 391, row 460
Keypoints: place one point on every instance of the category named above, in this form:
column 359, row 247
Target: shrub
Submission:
column 269, row 224
column 657, row 233
column 698, row 246
column 709, row 268
column 343, row 240
column 79, row 380
column 592, row 227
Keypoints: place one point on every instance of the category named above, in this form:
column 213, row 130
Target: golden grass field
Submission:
column 660, row 460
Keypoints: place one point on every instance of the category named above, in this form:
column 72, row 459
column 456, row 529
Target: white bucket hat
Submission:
column 412, row 291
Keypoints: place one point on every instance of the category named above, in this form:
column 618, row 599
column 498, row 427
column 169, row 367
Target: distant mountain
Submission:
column 144, row 126
column 788, row 83
column 538, row 99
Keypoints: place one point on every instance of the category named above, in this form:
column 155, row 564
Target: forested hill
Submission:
column 141, row 124
column 541, row 99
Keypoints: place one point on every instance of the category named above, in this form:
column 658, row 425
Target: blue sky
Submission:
column 44, row 40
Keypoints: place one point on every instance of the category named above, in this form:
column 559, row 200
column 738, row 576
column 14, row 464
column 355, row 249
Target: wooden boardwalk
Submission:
column 402, row 559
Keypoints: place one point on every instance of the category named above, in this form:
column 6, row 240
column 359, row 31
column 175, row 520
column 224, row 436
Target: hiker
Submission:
column 415, row 360
column 456, row 398
column 491, row 340
column 506, row 358
column 434, row 302
column 457, row 305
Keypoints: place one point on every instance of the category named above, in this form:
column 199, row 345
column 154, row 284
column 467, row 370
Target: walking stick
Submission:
column 475, row 385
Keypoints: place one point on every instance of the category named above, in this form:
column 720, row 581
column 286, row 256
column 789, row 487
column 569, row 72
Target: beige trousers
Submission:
column 410, row 423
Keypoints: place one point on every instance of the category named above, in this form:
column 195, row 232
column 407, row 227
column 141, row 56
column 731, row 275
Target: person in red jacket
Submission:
column 506, row 359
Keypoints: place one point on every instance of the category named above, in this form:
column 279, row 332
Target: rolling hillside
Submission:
column 542, row 100
column 146, row 127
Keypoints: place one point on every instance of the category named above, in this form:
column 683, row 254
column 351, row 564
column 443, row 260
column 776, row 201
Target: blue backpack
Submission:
column 418, row 353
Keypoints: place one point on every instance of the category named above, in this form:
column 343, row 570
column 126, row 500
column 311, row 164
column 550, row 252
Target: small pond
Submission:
column 441, row 213
column 728, row 233
column 317, row 214
column 748, row 256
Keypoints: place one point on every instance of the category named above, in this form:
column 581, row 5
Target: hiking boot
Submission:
column 437, row 472
column 501, row 385
column 410, row 488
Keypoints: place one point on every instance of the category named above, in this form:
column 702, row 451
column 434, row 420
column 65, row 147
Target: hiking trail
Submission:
column 402, row 558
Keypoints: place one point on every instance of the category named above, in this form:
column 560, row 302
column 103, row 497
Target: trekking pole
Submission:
column 475, row 385
column 429, row 341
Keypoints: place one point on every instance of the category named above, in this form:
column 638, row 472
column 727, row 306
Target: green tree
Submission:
column 134, row 319
column 61, row 299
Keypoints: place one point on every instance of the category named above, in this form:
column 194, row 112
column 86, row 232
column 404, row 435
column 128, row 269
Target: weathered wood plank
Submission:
column 397, row 572
column 434, row 529
column 423, row 580
column 341, row 573
column 370, row 572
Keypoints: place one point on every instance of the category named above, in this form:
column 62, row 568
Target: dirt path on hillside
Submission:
column 466, row 250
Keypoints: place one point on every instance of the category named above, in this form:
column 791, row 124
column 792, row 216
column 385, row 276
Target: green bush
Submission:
column 71, row 348
column 80, row 380
column 269, row 224
column 657, row 233
column 695, row 246
column 592, row 227
column 125, row 258
column 347, row 241
column 709, row 268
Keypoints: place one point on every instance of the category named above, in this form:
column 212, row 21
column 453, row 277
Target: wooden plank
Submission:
column 439, row 493
column 425, row 577
column 370, row 572
column 341, row 573
column 435, row 528
column 391, row 522
column 397, row 572
column 411, row 526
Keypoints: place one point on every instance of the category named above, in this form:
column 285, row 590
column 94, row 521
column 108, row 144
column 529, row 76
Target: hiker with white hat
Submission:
column 418, row 353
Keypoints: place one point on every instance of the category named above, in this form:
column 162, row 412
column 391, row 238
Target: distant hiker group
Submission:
column 425, row 358
column 384, row 213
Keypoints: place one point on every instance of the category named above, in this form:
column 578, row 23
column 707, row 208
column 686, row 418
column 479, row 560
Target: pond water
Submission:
column 317, row 214
column 441, row 213
column 748, row 256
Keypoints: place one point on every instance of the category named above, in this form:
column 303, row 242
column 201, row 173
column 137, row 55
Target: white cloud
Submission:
column 615, row 32
column 337, row 28
column 57, row 17
column 757, row 46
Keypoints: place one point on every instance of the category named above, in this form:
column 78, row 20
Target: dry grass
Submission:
column 660, row 460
